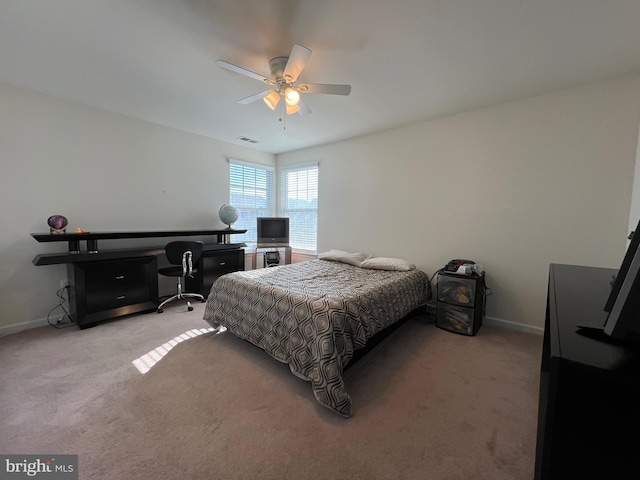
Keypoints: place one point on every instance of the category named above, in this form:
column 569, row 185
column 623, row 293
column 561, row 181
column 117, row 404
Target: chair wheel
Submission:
column 203, row 300
column 190, row 308
column 160, row 310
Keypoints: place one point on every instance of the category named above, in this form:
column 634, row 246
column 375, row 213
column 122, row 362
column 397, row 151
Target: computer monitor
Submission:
column 623, row 303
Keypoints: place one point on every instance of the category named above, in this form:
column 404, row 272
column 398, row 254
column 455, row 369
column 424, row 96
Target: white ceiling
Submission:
column 407, row 60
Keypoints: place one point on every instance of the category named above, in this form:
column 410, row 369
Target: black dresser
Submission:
column 589, row 410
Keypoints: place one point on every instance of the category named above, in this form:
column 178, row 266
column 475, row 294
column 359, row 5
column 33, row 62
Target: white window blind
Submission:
column 299, row 202
column 251, row 191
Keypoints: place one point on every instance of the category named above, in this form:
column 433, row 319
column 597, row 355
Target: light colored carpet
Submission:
column 428, row 404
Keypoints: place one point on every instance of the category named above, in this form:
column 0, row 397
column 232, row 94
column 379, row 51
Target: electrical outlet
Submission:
column 64, row 283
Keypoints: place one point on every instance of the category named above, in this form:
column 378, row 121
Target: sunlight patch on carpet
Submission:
column 148, row 360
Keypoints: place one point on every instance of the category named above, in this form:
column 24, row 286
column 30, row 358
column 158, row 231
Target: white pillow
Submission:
column 344, row 257
column 387, row 263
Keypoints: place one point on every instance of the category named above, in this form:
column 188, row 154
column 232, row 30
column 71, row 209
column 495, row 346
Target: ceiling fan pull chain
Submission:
column 283, row 117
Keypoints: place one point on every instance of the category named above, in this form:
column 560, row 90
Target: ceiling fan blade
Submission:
column 304, row 109
column 324, row 88
column 254, row 98
column 297, row 60
column 244, row 71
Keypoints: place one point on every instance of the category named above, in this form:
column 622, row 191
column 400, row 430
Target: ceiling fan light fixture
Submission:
column 272, row 99
column 291, row 96
column 292, row 109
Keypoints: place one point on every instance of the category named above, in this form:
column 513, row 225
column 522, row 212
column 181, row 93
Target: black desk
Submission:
column 589, row 411
column 91, row 238
column 107, row 284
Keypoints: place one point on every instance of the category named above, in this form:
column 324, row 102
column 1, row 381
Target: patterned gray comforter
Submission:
column 313, row 315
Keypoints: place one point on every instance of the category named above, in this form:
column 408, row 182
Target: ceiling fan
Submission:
column 284, row 77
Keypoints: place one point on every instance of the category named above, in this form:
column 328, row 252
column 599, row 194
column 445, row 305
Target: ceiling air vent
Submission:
column 247, row 139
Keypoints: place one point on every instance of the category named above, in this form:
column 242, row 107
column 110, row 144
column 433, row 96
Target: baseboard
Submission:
column 513, row 325
column 18, row 327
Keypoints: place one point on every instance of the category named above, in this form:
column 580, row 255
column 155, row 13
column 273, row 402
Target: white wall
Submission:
column 634, row 214
column 514, row 187
column 104, row 172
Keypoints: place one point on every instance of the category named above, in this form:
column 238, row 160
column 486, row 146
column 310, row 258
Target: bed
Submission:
column 313, row 315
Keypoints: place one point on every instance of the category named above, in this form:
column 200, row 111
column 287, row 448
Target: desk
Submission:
column 108, row 284
column 91, row 238
column 588, row 417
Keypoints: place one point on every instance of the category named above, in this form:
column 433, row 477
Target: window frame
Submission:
column 249, row 212
column 276, row 188
column 306, row 186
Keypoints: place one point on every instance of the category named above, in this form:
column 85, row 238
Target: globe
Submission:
column 57, row 224
column 228, row 214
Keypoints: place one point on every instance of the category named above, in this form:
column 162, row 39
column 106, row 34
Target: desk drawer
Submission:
column 114, row 284
column 212, row 265
column 228, row 262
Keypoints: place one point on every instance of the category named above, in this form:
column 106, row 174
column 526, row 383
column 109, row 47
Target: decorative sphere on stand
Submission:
column 228, row 215
column 57, row 224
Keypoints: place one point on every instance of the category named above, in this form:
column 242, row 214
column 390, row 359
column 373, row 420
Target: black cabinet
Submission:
column 113, row 288
column 213, row 264
column 588, row 419
column 461, row 302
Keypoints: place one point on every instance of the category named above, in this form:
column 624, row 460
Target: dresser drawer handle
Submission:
column 120, row 297
column 119, row 277
column 223, row 263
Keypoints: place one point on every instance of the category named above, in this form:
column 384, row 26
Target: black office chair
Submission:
column 184, row 258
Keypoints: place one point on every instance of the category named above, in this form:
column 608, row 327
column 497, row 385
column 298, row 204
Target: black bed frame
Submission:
column 384, row 334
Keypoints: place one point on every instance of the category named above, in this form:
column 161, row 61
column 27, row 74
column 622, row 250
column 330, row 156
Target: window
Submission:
column 251, row 191
column 299, row 202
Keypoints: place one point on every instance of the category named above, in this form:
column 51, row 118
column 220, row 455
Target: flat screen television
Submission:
column 623, row 303
column 273, row 230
